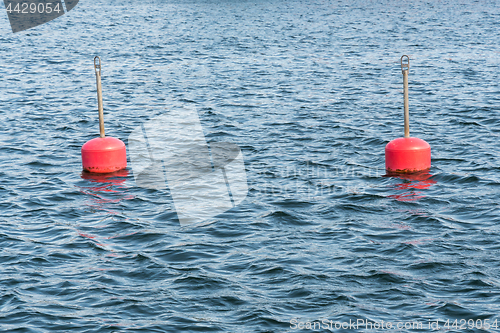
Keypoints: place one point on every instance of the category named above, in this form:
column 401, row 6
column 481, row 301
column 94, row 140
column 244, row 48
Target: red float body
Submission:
column 104, row 155
column 407, row 155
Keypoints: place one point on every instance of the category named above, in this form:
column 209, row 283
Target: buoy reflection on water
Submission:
column 411, row 183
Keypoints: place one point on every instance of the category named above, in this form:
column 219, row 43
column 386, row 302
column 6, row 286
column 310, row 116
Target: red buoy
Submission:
column 104, row 154
column 407, row 155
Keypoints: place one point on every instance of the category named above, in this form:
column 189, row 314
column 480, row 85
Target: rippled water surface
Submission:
column 311, row 91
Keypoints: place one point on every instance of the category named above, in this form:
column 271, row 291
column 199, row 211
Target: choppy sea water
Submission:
column 311, row 91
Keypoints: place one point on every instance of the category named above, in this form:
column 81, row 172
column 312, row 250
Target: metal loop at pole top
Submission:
column 97, row 65
column 405, row 66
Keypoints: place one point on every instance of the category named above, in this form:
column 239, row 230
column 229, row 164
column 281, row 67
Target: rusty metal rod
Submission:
column 405, row 67
column 97, row 67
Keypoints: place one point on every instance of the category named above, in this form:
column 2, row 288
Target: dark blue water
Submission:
column 312, row 92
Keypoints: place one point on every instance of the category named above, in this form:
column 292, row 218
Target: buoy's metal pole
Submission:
column 97, row 67
column 405, row 67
